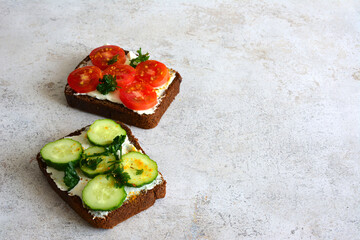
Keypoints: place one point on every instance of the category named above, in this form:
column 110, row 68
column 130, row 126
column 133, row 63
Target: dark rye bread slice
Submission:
column 129, row 208
column 118, row 111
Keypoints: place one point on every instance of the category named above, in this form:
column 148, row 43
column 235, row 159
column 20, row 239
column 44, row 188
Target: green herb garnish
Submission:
column 141, row 58
column 92, row 163
column 138, row 172
column 118, row 173
column 121, row 177
column 116, row 146
column 113, row 59
column 92, row 160
column 71, row 177
column 107, row 84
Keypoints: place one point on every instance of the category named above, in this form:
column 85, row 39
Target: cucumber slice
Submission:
column 102, row 132
column 101, row 194
column 59, row 153
column 95, row 165
column 141, row 169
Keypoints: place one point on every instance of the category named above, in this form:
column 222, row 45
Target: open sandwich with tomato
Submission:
column 102, row 173
column 123, row 85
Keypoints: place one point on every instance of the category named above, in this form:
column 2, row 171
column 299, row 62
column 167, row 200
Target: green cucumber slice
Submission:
column 101, row 194
column 59, row 153
column 102, row 132
column 98, row 164
column 141, row 169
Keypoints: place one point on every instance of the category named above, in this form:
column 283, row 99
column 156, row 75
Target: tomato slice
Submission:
column 138, row 96
column 84, row 79
column 153, row 72
column 124, row 74
column 107, row 55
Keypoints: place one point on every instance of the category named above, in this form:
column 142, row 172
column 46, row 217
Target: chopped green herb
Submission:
column 113, row 59
column 71, row 177
column 141, row 58
column 107, row 84
column 116, row 146
column 92, row 163
column 118, row 173
column 138, row 172
column 120, row 176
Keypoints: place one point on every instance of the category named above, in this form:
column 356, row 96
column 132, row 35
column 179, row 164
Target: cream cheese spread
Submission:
column 58, row 176
column 113, row 96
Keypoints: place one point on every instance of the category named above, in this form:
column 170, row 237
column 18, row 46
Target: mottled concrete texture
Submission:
column 263, row 141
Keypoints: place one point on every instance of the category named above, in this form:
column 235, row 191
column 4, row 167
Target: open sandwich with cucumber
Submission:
column 102, row 173
column 123, row 85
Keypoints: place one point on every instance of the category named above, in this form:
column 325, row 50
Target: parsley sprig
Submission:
column 116, row 146
column 91, row 163
column 107, row 84
column 141, row 58
column 113, row 60
column 71, row 177
column 121, row 177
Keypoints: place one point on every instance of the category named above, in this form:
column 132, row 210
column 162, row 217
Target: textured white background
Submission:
column 263, row 141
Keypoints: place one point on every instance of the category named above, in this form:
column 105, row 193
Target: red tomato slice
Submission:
column 84, row 79
column 153, row 72
column 138, row 96
column 105, row 56
column 124, row 74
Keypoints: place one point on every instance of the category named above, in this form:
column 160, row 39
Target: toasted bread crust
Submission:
column 131, row 207
column 118, row 111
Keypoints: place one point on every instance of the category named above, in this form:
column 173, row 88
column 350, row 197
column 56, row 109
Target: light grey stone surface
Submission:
column 261, row 143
